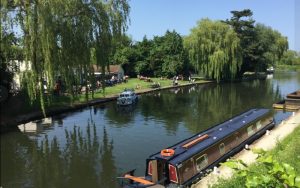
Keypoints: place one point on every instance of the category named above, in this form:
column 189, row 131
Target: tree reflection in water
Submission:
column 208, row 104
column 81, row 162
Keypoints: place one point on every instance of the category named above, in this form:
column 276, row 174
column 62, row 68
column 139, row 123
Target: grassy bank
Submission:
column 21, row 105
column 286, row 151
column 133, row 83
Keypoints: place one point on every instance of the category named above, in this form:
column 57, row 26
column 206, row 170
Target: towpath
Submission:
column 266, row 142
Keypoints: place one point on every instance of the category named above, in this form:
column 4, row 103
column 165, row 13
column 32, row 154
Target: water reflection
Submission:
column 84, row 161
column 207, row 104
column 15, row 159
column 37, row 126
column 121, row 116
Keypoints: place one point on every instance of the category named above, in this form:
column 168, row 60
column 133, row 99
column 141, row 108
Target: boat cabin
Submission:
column 127, row 97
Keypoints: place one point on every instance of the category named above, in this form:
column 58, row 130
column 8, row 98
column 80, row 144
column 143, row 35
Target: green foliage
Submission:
column 10, row 50
column 261, row 46
column 168, row 55
column 290, row 57
column 277, row 174
column 243, row 25
column 271, row 45
column 214, row 49
column 58, row 37
column 162, row 56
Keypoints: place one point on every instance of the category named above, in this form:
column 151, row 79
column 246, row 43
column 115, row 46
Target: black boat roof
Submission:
column 215, row 134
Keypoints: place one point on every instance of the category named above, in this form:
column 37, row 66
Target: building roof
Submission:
column 215, row 134
column 112, row 68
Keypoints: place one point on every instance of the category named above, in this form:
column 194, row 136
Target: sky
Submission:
column 155, row 17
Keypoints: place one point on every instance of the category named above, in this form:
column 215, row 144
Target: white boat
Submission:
column 270, row 70
column 127, row 97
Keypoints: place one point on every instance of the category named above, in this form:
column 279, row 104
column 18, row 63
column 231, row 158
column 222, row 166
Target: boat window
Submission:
column 121, row 95
column 187, row 170
column 126, row 95
column 250, row 130
column 201, row 162
column 222, row 148
column 258, row 124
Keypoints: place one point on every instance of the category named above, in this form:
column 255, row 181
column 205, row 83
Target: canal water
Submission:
column 92, row 146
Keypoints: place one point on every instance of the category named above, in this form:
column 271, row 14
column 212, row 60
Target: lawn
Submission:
column 111, row 91
column 133, row 83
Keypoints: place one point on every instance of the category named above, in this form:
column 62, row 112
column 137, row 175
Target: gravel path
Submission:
column 266, row 142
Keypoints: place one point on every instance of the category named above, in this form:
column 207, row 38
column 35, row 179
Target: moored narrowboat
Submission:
column 184, row 163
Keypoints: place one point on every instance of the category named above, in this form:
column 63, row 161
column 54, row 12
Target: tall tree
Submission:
column 243, row 25
column 174, row 54
column 214, row 49
column 162, row 56
column 10, row 49
column 58, row 37
column 271, row 46
column 110, row 21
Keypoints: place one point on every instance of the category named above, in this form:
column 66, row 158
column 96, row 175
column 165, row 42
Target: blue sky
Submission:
column 154, row 17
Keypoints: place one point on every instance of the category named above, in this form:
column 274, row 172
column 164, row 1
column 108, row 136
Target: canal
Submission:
column 92, row 146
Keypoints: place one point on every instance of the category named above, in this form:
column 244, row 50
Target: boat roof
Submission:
column 210, row 136
column 127, row 92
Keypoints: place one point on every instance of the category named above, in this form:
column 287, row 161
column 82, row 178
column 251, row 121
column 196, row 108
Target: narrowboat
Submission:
column 184, row 163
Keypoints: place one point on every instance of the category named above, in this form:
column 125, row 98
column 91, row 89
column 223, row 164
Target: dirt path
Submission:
column 266, row 142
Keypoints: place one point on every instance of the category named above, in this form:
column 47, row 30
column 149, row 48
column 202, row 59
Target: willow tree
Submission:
column 109, row 23
column 58, row 37
column 214, row 49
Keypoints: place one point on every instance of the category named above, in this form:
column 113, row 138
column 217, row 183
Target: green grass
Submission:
column 66, row 100
column 286, row 151
column 133, row 83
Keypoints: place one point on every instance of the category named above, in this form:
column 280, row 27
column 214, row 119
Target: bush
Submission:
column 270, row 172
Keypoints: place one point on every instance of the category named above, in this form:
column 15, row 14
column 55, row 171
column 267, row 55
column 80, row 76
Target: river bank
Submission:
column 10, row 123
column 266, row 142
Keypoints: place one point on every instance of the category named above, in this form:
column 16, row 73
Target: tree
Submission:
column 214, row 49
column 271, row 46
column 175, row 55
column 58, row 37
column 290, row 57
column 10, row 51
column 167, row 56
column 261, row 46
column 243, row 25
column 162, row 56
